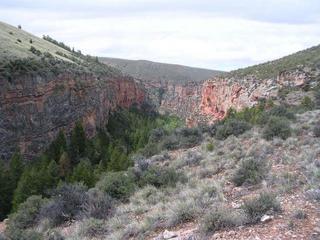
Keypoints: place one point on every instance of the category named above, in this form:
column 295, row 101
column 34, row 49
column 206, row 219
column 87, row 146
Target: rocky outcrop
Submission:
column 210, row 100
column 34, row 109
column 221, row 94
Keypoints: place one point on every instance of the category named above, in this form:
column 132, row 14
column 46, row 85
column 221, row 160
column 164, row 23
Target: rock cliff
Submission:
column 34, row 109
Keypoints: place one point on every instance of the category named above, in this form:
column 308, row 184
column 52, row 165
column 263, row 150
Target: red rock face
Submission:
column 34, row 109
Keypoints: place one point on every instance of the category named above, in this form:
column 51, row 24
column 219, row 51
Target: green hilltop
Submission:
column 306, row 58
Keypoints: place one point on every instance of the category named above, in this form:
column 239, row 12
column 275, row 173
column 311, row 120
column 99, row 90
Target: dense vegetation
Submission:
column 79, row 159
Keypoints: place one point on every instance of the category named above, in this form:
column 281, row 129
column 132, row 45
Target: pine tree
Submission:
column 5, row 192
column 118, row 160
column 77, row 143
column 52, row 174
column 57, row 147
column 15, row 168
column 64, row 165
column 32, row 182
column 83, row 172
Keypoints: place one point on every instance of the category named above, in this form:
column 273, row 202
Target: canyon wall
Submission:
column 34, row 109
column 209, row 101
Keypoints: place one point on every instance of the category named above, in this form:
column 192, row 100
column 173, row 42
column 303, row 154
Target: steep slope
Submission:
column 46, row 88
column 15, row 43
column 244, row 87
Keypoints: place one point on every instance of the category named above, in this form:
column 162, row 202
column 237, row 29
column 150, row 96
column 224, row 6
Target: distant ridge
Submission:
column 148, row 70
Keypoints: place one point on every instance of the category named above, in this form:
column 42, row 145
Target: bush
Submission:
column 93, row 228
column 25, row 217
column 231, row 127
column 182, row 211
column 307, row 103
column 99, row 205
column 192, row 158
column 188, row 137
column 35, row 51
column 317, row 99
column 281, row 111
column 251, row 171
column 257, row 207
column 316, row 130
column 210, row 147
column 53, row 235
column 119, row 185
column 277, row 127
column 160, row 177
column 221, row 218
column 66, row 203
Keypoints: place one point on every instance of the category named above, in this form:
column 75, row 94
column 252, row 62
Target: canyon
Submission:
column 35, row 107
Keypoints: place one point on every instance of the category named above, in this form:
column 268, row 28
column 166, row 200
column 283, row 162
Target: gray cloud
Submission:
column 220, row 34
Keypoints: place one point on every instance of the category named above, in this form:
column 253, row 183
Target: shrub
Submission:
column 277, row 127
column 317, row 98
column 99, row 205
column 221, row 218
column 316, row 130
column 307, row 103
column 160, row 177
column 300, row 214
column 257, row 207
column 188, row 137
column 93, row 228
column 25, row 217
column 231, row 127
column 210, row 147
column 119, row 185
column 251, row 171
column 182, row 211
column 281, row 111
column 53, row 235
column 192, row 158
column 66, row 203
column 35, row 51
column 170, row 142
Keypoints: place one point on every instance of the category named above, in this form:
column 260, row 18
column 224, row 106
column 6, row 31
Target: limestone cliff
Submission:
column 34, row 109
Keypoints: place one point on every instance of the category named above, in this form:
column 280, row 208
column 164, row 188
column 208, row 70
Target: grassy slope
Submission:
column 306, row 58
column 15, row 45
column 148, row 70
column 11, row 48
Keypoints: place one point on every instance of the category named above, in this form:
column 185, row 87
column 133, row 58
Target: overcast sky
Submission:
column 216, row 34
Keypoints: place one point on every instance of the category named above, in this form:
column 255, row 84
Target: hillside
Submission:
column 15, row 43
column 307, row 58
column 147, row 70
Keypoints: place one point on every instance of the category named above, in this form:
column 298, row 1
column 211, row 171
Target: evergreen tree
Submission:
column 52, row 174
column 5, row 192
column 77, row 143
column 64, row 165
column 32, row 182
column 15, row 168
column 83, row 172
column 119, row 161
column 57, row 147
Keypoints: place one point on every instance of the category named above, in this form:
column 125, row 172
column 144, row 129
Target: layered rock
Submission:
column 34, row 109
column 210, row 100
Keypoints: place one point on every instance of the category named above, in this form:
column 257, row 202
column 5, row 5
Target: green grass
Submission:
column 309, row 57
column 11, row 48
